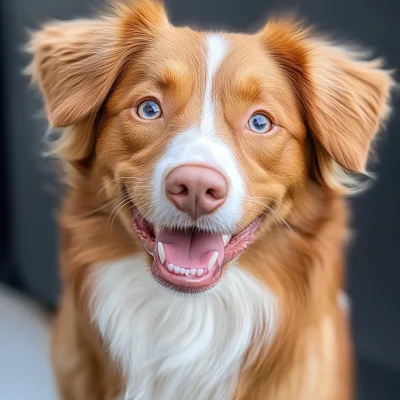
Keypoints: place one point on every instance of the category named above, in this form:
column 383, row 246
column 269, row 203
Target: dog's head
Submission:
column 207, row 137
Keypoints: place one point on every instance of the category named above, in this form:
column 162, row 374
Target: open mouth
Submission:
column 190, row 260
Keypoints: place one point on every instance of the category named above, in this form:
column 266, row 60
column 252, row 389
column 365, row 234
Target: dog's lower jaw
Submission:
column 190, row 260
column 173, row 347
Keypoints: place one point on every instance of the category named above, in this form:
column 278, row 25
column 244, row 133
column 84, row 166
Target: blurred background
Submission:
column 29, row 284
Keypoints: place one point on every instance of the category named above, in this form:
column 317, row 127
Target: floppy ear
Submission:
column 76, row 63
column 343, row 98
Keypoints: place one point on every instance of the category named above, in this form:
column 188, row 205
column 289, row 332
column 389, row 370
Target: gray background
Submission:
column 28, row 190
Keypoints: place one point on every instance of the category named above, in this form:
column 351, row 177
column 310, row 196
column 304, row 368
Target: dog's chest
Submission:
column 172, row 346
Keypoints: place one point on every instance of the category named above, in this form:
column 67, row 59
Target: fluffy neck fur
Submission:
column 172, row 346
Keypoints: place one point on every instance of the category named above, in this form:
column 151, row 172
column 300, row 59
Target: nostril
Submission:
column 215, row 193
column 177, row 189
column 184, row 190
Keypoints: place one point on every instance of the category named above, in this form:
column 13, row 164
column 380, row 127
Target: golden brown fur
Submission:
column 328, row 105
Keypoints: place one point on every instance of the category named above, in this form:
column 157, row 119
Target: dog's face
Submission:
column 204, row 144
column 208, row 139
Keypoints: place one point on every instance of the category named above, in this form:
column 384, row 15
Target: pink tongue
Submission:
column 190, row 249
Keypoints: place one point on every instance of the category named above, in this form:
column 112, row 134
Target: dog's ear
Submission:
column 76, row 63
column 343, row 98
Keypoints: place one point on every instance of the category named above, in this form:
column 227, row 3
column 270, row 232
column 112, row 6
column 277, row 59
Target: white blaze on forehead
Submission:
column 201, row 144
column 217, row 47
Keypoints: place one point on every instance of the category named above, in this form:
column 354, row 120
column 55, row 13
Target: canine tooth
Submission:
column 177, row 270
column 200, row 272
column 226, row 239
column 182, row 271
column 161, row 252
column 187, row 272
column 212, row 261
column 170, row 267
column 193, row 271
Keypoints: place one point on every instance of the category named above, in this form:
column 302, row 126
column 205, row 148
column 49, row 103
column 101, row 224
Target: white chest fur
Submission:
column 173, row 346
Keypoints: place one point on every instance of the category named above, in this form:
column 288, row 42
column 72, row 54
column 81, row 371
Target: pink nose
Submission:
column 196, row 190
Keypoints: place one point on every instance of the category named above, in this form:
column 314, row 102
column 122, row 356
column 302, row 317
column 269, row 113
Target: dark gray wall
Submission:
column 31, row 189
column 31, row 194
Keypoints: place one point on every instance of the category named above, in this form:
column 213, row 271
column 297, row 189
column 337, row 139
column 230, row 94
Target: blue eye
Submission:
column 149, row 109
column 259, row 123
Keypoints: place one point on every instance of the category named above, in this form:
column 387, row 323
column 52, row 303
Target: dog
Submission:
column 204, row 219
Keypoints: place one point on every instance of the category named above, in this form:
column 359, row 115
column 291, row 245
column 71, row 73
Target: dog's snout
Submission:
column 196, row 190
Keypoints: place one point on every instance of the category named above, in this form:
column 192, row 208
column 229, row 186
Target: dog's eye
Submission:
column 259, row 123
column 149, row 109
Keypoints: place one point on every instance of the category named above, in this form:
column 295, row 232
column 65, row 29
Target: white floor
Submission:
column 25, row 372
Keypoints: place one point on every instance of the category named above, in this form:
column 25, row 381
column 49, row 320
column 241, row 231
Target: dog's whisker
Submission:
column 126, row 202
column 117, row 179
column 139, row 209
column 123, row 200
column 137, row 187
column 283, row 220
column 117, row 207
column 92, row 212
column 273, row 200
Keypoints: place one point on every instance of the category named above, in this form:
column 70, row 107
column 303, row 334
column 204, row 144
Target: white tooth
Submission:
column 200, row 272
column 177, row 269
column 212, row 261
column 182, row 271
column 193, row 271
column 187, row 272
column 170, row 267
column 226, row 239
column 161, row 252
